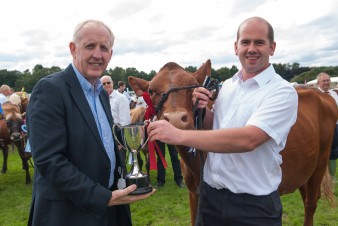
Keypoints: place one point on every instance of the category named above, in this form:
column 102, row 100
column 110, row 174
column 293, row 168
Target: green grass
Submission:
column 168, row 206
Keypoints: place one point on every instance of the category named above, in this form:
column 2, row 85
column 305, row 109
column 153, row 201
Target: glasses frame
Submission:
column 104, row 83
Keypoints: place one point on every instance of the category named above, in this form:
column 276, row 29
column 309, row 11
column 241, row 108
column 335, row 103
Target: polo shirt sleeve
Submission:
column 277, row 113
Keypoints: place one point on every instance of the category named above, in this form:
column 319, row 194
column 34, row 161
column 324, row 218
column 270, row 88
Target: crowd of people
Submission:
column 78, row 163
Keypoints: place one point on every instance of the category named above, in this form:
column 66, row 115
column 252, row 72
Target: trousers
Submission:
column 161, row 172
column 221, row 207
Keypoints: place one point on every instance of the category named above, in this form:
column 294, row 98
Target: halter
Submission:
column 211, row 86
column 166, row 95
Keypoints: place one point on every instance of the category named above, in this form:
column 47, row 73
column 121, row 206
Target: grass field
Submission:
column 168, row 206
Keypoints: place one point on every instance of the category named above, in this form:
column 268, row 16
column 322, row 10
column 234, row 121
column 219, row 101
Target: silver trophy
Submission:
column 132, row 141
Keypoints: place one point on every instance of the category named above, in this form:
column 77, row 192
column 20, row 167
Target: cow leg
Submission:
column 193, row 202
column 302, row 191
column 310, row 207
column 312, row 195
column 24, row 160
column 5, row 157
column 26, row 168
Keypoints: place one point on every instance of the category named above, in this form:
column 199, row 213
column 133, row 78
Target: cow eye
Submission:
column 150, row 91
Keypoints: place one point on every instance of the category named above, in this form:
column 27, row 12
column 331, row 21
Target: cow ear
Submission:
column 203, row 71
column 138, row 85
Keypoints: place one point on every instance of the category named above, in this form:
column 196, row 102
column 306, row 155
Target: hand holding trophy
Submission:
column 133, row 141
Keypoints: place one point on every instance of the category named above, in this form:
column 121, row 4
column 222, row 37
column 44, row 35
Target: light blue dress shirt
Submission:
column 92, row 94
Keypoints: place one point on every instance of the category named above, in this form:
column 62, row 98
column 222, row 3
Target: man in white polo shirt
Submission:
column 248, row 128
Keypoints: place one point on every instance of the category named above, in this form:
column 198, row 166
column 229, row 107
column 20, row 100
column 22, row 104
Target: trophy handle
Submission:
column 115, row 137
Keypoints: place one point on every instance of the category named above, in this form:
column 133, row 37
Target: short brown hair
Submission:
column 271, row 35
column 121, row 83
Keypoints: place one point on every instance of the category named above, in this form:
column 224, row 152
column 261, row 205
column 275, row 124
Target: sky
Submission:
column 151, row 33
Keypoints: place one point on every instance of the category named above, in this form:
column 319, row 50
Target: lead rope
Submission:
column 165, row 95
column 200, row 113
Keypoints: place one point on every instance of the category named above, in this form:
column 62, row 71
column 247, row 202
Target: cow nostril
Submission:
column 176, row 118
column 184, row 118
column 165, row 117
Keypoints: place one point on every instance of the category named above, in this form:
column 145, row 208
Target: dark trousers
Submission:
column 334, row 148
column 224, row 208
column 175, row 162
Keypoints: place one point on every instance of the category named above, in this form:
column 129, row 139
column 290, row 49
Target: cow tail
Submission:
column 327, row 189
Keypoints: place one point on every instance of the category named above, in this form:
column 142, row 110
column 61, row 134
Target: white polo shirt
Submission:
column 120, row 110
column 266, row 101
column 332, row 94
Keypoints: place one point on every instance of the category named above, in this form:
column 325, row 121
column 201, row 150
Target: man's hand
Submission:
column 162, row 130
column 120, row 197
column 202, row 95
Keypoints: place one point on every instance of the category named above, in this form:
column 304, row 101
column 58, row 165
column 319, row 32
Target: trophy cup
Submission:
column 133, row 141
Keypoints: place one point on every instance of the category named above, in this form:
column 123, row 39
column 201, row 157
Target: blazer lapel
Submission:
column 81, row 101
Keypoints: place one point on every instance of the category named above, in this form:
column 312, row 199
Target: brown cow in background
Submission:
column 305, row 156
column 11, row 133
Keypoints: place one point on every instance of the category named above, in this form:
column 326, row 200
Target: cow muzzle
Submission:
column 179, row 119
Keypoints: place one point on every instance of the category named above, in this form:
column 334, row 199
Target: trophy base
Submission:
column 142, row 182
column 140, row 191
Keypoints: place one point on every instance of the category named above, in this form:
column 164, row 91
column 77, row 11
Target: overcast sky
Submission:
column 150, row 33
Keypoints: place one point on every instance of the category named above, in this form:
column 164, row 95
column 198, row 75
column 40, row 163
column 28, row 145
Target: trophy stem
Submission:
column 136, row 169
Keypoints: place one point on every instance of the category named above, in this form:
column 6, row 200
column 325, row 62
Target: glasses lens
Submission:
column 106, row 83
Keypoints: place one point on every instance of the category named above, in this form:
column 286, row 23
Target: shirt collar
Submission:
column 261, row 79
column 87, row 86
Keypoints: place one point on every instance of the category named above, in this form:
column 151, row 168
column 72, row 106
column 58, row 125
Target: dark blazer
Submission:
column 71, row 165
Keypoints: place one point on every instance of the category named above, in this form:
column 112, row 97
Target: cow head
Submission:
column 14, row 123
column 177, row 85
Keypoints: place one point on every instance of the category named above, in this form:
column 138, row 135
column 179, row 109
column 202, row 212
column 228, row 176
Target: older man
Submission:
column 77, row 164
column 119, row 103
column 119, row 106
column 324, row 82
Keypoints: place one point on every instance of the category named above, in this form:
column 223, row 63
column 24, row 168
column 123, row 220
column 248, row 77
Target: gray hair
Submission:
column 322, row 74
column 77, row 30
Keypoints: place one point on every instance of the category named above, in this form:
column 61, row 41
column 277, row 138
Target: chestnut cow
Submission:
column 305, row 156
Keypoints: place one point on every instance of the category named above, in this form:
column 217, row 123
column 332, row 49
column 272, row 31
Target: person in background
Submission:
column 121, row 87
column 140, row 102
column 77, row 163
column 118, row 102
column 245, row 133
column 119, row 108
column 175, row 162
column 324, row 82
column 5, row 90
column 10, row 95
column 3, row 99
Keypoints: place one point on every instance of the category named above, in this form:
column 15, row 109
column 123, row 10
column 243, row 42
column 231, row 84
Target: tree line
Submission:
column 291, row 72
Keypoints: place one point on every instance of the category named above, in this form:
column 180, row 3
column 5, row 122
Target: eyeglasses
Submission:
column 106, row 83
